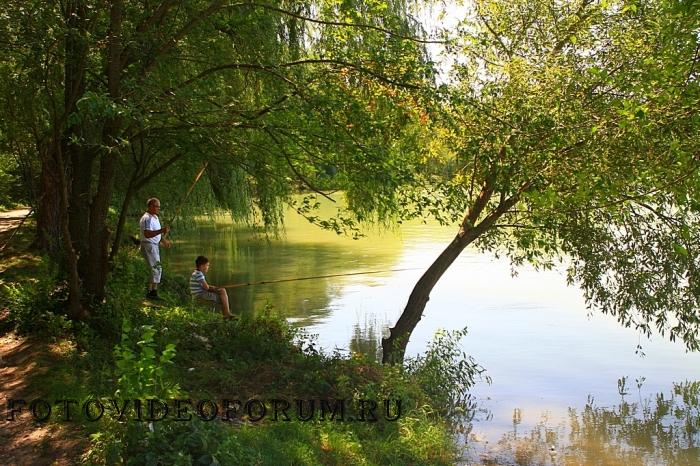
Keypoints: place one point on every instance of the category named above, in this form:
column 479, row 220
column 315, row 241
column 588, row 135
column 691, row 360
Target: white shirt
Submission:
column 149, row 222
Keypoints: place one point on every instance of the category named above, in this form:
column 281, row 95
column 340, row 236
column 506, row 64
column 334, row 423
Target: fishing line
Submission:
column 266, row 282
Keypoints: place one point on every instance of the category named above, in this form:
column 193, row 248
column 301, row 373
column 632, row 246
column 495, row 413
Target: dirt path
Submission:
column 9, row 222
column 22, row 362
column 24, row 441
column 10, row 219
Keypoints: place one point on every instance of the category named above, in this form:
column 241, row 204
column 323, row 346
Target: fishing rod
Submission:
column 267, row 282
column 187, row 194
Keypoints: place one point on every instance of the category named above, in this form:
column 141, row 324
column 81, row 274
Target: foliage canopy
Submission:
column 570, row 130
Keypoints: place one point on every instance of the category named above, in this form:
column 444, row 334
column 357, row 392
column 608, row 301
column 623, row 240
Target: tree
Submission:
column 269, row 95
column 572, row 126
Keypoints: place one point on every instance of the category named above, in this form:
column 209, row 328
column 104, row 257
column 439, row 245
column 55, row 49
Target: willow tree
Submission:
column 268, row 95
column 573, row 127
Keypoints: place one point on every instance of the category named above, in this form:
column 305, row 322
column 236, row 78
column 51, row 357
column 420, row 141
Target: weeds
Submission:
column 137, row 352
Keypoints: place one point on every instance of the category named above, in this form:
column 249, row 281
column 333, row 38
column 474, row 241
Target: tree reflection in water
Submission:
column 367, row 338
column 659, row 430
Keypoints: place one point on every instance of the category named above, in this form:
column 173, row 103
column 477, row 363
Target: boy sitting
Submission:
column 202, row 290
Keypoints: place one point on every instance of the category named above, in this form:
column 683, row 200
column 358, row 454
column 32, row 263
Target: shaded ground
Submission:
column 15, row 250
column 11, row 219
column 23, row 362
column 24, row 441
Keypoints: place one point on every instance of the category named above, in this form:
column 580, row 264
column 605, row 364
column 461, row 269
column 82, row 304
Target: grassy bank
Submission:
column 273, row 397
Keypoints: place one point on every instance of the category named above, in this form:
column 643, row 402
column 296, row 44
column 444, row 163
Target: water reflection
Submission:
column 367, row 338
column 657, row 430
column 240, row 256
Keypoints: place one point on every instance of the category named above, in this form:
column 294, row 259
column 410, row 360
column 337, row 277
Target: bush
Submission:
column 260, row 356
column 445, row 372
column 141, row 373
column 11, row 187
column 37, row 305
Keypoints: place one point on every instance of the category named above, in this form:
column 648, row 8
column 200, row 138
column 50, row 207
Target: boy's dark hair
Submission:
column 200, row 261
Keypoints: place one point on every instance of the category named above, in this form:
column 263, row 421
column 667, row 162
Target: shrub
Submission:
column 37, row 304
column 445, row 372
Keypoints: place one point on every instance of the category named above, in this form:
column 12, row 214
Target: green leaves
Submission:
column 587, row 107
column 680, row 250
column 445, row 372
column 142, row 372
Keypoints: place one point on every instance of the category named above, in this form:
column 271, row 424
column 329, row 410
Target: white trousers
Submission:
column 151, row 253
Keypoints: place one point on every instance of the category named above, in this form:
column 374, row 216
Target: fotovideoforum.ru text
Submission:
column 181, row 409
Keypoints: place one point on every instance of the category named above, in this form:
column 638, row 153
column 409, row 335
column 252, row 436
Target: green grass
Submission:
column 182, row 350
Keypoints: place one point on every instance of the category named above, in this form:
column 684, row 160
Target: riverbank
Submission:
column 546, row 352
column 274, row 397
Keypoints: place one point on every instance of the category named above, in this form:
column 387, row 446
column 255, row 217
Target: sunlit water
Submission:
column 556, row 368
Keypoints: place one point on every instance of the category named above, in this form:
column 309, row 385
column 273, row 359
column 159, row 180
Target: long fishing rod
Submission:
column 266, row 282
column 187, row 194
column 182, row 202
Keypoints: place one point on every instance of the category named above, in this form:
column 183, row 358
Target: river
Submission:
column 569, row 386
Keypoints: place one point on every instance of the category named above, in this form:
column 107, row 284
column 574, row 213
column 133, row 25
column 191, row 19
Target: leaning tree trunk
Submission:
column 128, row 197
column 394, row 347
column 137, row 181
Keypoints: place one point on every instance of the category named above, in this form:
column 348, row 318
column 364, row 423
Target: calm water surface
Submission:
column 556, row 368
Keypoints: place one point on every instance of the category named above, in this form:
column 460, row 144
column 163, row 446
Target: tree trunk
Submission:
column 79, row 201
column 128, row 197
column 394, row 347
column 98, row 263
column 48, row 223
column 75, row 159
column 136, row 182
column 75, row 309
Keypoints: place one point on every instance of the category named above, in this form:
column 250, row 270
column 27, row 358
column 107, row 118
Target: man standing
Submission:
column 151, row 236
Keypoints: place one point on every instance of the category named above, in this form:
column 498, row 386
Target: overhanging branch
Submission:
column 342, row 24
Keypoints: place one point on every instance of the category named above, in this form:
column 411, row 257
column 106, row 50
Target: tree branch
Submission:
column 341, row 24
column 186, row 29
column 296, row 172
column 574, row 27
column 495, row 35
column 156, row 171
column 272, row 69
column 157, row 17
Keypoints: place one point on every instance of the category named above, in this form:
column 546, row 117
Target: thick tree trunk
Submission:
column 79, row 203
column 394, row 347
column 54, row 204
column 77, row 163
column 98, row 262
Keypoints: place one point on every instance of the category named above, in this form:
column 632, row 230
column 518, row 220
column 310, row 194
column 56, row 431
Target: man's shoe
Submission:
column 153, row 294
